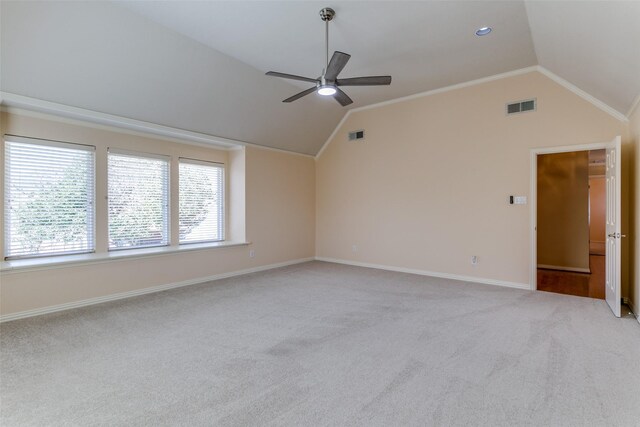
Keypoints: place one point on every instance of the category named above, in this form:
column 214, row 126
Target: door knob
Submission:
column 616, row 235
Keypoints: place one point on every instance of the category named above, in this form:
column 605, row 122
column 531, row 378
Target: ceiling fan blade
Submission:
column 291, row 76
column 300, row 95
column 337, row 63
column 342, row 97
column 365, row 81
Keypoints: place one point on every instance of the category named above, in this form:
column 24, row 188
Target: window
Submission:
column 201, row 201
column 138, row 193
column 49, row 198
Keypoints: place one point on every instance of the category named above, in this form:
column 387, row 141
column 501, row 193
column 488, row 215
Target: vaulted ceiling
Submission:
column 200, row 66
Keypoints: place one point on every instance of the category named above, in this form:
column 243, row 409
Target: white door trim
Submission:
column 533, row 182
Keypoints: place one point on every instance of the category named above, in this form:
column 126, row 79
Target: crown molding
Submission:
column 94, row 117
column 584, row 95
column 420, row 95
column 562, row 82
column 20, row 104
column 449, row 88
column 89, row 117
column 424, row 94
column 634, row 105
column 333, row 134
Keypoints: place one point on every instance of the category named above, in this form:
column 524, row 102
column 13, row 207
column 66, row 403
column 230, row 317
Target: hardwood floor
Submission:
column 580, row 284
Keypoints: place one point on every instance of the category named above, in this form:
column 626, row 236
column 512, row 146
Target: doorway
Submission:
column 571, row 223
column 565, row 257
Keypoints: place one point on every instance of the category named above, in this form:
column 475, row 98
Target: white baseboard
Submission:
column 633, row 309
column 563, row 268
column 429, row 273
column 150, row 290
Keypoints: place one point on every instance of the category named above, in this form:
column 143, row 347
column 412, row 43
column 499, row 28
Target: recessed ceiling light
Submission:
column 483, row 31
column 326, row 90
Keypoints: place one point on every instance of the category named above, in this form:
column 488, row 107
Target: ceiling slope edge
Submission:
column 138, row 127
column 635, row 104
column 569, row 86
column 584, row 95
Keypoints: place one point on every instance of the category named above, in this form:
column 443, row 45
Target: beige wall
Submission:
column 425, row 190
column 428, row 187
column 597, row 204
column 563, row 211
column 280, row 205
column 634, row 291
column 279, row 210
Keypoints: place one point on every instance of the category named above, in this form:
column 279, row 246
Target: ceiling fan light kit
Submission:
column 328, row 83
column 326, row 90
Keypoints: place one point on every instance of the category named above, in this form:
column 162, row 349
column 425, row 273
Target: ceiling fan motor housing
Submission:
column 322, row 81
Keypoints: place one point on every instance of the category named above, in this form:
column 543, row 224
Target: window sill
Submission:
column 46, row 263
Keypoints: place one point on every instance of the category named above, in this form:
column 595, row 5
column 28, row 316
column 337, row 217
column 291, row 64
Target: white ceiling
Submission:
column 593, row 44
column 421, row 44
column 200, row 65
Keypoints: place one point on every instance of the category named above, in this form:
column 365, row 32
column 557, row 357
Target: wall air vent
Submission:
column 521, row 106
column 356, row 134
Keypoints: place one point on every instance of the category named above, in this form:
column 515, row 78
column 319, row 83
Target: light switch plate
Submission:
column 520, row 200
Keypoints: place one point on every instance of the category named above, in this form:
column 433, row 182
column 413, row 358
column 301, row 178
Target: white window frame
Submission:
column 91, row 232
column 167, row 210
column 222, row 213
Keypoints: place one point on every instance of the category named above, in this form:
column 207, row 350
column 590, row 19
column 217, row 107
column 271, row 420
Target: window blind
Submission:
column 138, row 194
column 201, row 204
column 49, row 197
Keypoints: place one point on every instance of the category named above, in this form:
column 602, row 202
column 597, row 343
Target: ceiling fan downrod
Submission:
column 326, row 14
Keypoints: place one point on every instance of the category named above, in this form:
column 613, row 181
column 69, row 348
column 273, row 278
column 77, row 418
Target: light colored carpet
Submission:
column 325, row 344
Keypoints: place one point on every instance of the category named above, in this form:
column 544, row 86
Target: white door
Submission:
column 614, row 232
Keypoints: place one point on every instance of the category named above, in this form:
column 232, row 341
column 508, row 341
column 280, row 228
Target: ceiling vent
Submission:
column 356, row 134
column 521, row 106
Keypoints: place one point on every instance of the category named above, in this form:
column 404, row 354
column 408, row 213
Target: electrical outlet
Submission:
column 354, row 248
column 252, row 253
column 474, row 260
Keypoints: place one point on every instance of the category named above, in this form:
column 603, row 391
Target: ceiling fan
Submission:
column 328, row 83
